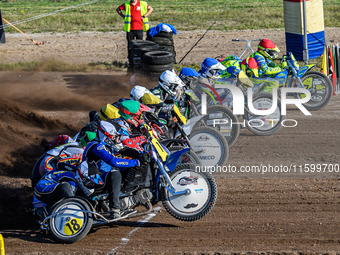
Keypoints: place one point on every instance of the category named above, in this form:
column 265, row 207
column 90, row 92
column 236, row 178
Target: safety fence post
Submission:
column 2, row 31
column 2, row 245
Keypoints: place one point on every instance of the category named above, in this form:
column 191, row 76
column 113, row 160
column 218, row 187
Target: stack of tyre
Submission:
column 154, row 63
column 137, row 48
column 164, row 39
column 149, row 58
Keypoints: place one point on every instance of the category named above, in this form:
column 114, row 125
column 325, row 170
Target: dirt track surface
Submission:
column 296, row 213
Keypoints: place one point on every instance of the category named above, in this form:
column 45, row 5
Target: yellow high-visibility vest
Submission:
column 127, row 20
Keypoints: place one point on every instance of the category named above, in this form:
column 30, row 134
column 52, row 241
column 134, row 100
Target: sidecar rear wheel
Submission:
column 210, row 146
column 201, row 196
column 223, row 120
column 71, row 223
column 266, row 124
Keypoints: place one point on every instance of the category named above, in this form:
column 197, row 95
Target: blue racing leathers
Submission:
column 101, row 156
column 55, row 185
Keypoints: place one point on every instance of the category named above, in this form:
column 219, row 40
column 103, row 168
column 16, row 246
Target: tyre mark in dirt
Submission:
column 124, row 241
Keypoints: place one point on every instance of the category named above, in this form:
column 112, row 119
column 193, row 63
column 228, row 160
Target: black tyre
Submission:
column 162, row 41
column 321, row 90
column 223, row 120
column 139, row 51
column 210, row 146
column 141, row 44
column 158, row 58
column 72, row 223
column 157, row 68
column 200, row 198
column 153, row 75
column 266, row 124
column 189, row 157
column 161, row 34
column 170, row 49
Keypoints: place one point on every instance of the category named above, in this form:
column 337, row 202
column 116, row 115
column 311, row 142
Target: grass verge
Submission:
column 184, row 15
column 53, row 65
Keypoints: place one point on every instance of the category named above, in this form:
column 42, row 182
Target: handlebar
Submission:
column 157, row 105
column 248, row 45
column 245, row 40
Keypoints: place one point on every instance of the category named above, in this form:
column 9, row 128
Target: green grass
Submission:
column 184, row 15
column 53, row 65
column 59, row 66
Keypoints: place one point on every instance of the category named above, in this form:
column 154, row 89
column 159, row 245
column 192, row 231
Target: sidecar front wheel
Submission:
column 71, row 222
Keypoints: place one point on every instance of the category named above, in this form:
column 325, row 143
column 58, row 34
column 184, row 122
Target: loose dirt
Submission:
column 287, row 213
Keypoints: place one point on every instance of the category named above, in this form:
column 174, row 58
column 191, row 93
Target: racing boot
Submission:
column 114, row 214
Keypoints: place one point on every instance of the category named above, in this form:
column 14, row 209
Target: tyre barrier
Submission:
column 134, row 54
column 150, row 58
column 137, row 55
column 154, row 63
column 164, row 39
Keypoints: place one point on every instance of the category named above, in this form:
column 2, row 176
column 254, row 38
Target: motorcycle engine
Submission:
column 140, row 197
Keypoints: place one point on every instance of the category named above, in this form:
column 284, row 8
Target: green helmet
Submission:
column 131, row 111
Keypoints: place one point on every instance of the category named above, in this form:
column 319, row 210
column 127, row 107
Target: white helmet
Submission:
column 171, row 83
column 108, row 132
column 210, row 68
column 138, row 92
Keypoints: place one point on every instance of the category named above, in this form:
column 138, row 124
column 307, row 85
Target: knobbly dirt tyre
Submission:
column 318, row 100
column 201, row 198
column 230, row 130
column 70, row 226
column 190, row 157
column 274, row 120
column 210, row 146
column 158, row 58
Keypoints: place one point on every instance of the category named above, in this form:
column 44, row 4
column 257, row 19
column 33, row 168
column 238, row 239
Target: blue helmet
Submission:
column 210, row 68
column 187, row 75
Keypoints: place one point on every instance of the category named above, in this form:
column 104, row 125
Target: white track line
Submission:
column 124, row 241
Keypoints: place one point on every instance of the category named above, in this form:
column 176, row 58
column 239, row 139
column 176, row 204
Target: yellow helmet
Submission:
column 109, row 112
column 149, row 98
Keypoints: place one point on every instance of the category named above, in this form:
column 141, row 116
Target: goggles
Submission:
column 110, row 136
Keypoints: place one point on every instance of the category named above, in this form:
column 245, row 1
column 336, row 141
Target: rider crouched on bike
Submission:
column 169, row 88
column 70, row 153
column 108, row 113
column 211, row 69
column 253, row 71
column 59, row 184
column 59, row 140
column 132, row 123
column 264, row 56
column 99, row 156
